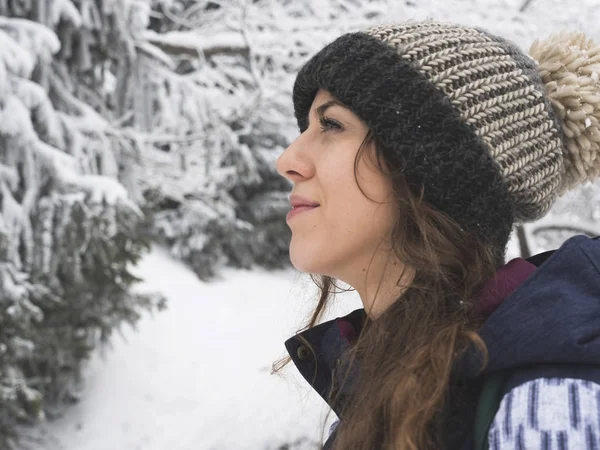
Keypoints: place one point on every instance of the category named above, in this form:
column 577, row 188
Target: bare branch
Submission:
column 527, row 238
column 525, row 5
column 171, row 139
column 523, row 242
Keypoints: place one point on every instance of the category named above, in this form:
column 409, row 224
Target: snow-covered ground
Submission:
column 196, row 376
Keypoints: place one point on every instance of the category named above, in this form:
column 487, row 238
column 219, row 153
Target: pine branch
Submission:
column 87, row 115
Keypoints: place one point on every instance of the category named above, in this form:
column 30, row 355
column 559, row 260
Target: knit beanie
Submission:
column 492, row 136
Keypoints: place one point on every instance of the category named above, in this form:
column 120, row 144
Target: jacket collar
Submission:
column 319, row 353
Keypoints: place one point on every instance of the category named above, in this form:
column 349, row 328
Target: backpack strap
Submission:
column 490, row 398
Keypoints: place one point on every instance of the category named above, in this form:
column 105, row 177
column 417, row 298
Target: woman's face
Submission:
column 339, row 237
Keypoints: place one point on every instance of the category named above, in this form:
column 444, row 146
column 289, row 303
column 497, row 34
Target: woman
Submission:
column 421, row 145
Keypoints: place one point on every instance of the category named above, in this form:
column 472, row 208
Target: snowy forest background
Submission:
column 127, row 123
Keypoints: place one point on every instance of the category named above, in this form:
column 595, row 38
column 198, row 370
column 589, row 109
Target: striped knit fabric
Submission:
column 488, row 134
column 462, row 113
column 548, row 414
column 499, row 94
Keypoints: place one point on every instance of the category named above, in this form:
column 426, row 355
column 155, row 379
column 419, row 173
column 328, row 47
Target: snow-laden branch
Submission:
column 15, row 122
column 556, row 224
column 551, row 223
column 65, row 10
column 194, row 43
column 156, row 53
column 36, row 100
column 87, row 118
column 13, row 58
column 9, row 176
column 38, row 39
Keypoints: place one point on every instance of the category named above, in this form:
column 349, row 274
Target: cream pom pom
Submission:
column 569, row 65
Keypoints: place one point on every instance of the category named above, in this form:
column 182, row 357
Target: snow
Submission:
column 13, row 58
column 103, row 188
column 37, row 38
column 65, row 10
column 196, row 376
column 139, row 15
column 15, row 119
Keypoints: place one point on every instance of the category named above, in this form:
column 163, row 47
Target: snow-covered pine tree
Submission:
column 69, row 231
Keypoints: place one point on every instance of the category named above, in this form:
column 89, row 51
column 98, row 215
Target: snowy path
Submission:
column 196, row 376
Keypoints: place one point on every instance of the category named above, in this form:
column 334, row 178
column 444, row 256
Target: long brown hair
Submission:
column 407, row 354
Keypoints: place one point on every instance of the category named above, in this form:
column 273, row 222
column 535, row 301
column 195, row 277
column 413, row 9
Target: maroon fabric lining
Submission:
column 347, row 330
column 507, row 279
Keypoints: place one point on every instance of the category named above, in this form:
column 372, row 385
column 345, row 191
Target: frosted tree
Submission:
column 218, row 113
column 69, row 230
column 241, row 58
column 221, row 118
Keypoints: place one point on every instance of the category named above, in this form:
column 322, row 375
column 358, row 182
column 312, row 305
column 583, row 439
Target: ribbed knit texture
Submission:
column 461, row 111
column 499, row 93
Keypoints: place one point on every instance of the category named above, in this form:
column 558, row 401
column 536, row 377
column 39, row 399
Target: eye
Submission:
column 328, row 124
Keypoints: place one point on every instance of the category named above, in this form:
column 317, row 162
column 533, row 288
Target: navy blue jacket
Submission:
column 549, row 326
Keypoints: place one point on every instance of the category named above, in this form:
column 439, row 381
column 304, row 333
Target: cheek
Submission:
column 363, row 223
column 369, row 210
column 338, row 236
column 360, row 208
column 349, row 226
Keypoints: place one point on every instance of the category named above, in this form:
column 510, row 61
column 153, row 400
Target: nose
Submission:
column 295, row 163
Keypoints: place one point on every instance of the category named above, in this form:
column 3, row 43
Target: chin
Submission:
column 304, row 258
column 301, row 263
column 312, row 262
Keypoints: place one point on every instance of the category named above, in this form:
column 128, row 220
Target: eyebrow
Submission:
column 325, row 106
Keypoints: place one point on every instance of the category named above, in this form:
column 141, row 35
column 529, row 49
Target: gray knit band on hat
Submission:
column 464, row 113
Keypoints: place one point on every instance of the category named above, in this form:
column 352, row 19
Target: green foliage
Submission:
column 54, row 316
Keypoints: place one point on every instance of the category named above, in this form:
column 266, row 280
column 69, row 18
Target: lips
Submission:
column 299, row 210
column 298, row 201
